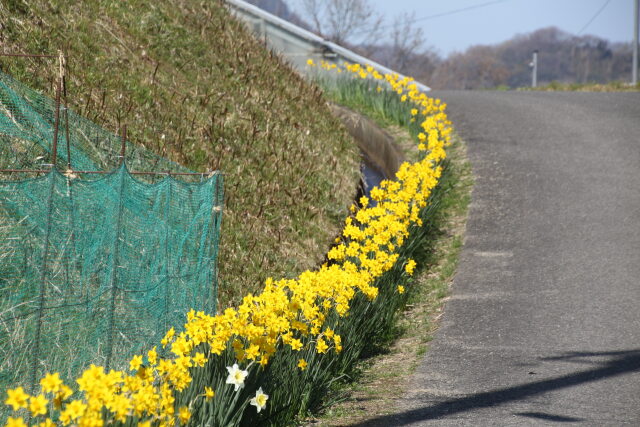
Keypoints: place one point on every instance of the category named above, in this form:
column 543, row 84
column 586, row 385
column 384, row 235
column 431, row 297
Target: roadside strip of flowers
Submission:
column 277, row 353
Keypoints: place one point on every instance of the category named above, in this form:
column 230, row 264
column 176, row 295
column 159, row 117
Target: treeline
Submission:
column 563, row 57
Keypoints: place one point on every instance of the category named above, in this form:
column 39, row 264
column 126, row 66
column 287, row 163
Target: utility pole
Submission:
column 634, row 67
column 534, row 69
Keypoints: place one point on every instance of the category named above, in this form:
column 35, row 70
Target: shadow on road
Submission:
column 550, row 417
column 615, row 363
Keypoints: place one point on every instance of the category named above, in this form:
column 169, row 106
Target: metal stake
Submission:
column 54, row 149
column 123, row 147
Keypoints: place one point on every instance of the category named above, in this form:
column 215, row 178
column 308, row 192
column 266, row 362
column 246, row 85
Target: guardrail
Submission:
column 298, row 45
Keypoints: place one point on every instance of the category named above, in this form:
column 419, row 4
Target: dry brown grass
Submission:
column 193, row 85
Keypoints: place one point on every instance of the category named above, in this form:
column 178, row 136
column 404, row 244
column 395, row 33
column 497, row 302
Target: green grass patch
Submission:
column 615, row 86
column 381, row 105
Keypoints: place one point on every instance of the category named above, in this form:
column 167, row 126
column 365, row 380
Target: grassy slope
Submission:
column 193, row 85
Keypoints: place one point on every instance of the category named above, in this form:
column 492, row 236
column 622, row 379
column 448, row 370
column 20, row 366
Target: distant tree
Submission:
column 407, row 53
column 407, row 41
column 342, row 21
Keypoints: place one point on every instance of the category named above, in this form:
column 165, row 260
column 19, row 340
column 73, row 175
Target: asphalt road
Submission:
column 543, row 324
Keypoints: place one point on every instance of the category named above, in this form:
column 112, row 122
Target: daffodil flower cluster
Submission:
column 288, row 314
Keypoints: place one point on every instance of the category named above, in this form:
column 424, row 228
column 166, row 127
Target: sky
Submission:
column 490, row 22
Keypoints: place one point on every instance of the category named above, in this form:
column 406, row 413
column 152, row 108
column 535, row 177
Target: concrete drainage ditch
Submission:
column 381, row 156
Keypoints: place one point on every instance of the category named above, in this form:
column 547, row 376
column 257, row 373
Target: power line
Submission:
column 439, row 15
column 594, row 16
column 455, row 11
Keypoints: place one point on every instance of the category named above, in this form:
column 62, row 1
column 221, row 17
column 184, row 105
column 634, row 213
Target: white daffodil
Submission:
column 260, row 401
column 236, row 376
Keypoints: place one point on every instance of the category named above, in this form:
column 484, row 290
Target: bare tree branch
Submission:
column 340, row 20
column 313, row 11
column 408, row 41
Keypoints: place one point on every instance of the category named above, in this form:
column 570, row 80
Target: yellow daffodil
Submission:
column 135, row 363
column 410, row 266
column 152, row 356
column 48, row 422
column 209, row 393
column 15, row 422
column 38, row 405
column 321, row 346
column 184, row 415
column 16, row 398
column 199, row 359
column 51, row 383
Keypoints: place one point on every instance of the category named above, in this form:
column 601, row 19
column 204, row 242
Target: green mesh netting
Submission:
column 27, row 127
column 93, row 268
